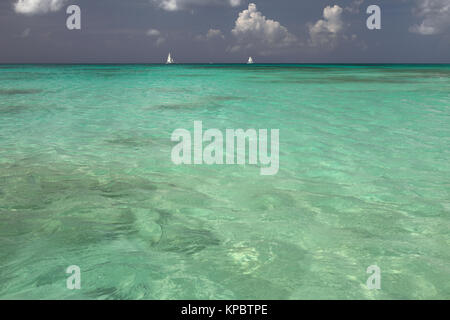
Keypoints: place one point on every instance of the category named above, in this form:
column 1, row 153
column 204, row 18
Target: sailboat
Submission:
column 169, row 59
column 250, row 60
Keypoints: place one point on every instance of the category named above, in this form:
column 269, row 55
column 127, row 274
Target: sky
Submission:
column 225, row 31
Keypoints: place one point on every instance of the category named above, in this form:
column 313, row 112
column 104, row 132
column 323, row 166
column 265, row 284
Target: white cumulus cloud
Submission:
column 153, row 32
column 156, row 34
column 175, row 5
column 235, row 3
column 354, row 6
column 211, row 34
column 435, row 16
column 25, row 33
column 252, row 30
column 214, row 33
column 31, row 7
column 326, row 31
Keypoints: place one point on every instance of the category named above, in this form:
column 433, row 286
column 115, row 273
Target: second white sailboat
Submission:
column 170, row 59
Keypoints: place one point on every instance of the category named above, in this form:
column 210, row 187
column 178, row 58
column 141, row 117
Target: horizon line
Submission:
column 225, row 63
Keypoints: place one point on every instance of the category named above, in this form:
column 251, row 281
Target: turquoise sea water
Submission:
column 86, row 179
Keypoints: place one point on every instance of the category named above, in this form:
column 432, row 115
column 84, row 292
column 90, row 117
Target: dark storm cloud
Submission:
column 224, row 31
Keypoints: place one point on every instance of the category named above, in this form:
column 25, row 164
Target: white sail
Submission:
column 169, row 59
column 250, row 60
